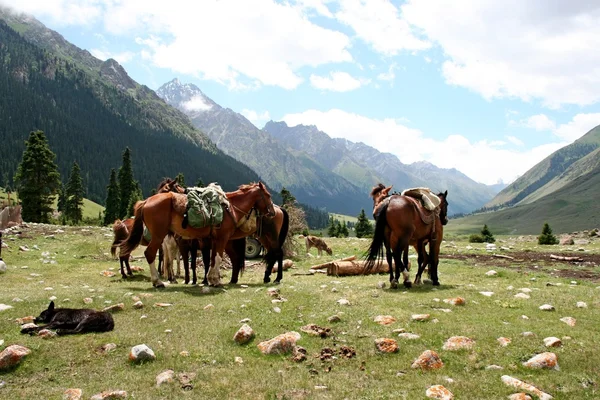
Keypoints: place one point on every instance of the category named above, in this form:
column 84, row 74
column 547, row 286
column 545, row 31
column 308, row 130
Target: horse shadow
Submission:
column 425, row 288
column 191, row 290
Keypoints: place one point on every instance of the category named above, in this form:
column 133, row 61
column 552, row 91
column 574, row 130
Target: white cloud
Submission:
column 64, row 12
column 238, row 43
column 257, row 118
column 379, row 24
column 390, row 75
column 540, row 122
column 121, row 58
column 514, row 140
column 578, row 126
column 483, row 161
column 521, row 49
column 196, row 103
column 336, row 82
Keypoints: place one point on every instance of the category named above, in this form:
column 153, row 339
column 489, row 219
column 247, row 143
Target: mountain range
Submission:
column 322, row 171
column 91, row 110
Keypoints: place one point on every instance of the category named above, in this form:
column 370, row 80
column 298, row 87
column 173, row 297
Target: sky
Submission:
column 488, row 87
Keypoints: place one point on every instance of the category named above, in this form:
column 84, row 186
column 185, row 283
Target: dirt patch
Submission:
column 537, row 261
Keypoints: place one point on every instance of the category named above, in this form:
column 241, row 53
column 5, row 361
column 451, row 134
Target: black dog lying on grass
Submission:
column 69, row 321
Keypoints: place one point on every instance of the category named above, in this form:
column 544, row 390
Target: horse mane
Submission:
column 377, row 189
column 164, row 182
column 246, row 187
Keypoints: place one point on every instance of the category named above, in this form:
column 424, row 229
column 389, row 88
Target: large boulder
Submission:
column 12, row 356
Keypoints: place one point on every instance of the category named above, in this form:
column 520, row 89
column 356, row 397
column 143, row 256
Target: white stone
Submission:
column 491, row 273
column 141, row 352
column 487, row 294
column 547, row 307
column 2, row 267
column 167, row 376
column 4, row 307
column 552, row 342
column 408, row 336
column 522, row 296
column 343, row 302
column 582, row 304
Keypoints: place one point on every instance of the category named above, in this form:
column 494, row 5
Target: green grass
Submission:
column 342, row 217
column 82, row 253
column 90, row 209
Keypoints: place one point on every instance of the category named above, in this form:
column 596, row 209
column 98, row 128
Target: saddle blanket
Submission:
column 429, row 200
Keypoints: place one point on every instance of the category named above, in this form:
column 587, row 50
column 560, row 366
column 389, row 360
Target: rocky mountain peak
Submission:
column 186, row 96
column 112, row 71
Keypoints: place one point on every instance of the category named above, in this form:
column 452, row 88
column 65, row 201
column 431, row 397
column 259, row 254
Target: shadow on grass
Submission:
column 425, row 288
column 192, row 290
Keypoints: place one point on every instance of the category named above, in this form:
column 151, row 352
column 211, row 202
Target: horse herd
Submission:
column 401, row 221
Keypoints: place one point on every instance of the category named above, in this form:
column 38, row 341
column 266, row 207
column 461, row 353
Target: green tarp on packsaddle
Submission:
column 205, row 205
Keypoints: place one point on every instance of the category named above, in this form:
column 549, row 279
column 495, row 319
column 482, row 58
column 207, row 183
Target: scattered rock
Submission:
column 185, row 379
column 547, row 307
column 115, row 307
column 273, row 292
column 504, row 341
column 428, row 360
column 569, row 321
column 522, row 296
column 88, row 300
column 566, row 241
column 528, row 334
column 162, row 305
column 519, row 396
column 2, row 267
column 334, row 318
column 106, row 348
column 281, row 344
column 343, row 302
column 12, row 356
column 184, row 353
column 493, row 367
column 47, row 334
column 4, row 307
column 381, row 285
column 519, row 384
column 326, row 354
column 491, row 273
column 582, row 304
column 544, row 360
column 238, row 360
column 72, row 394
column 28, row 326
column 456, row 301
column 439, row 392
column 384, row 319
column 141, row 352
column 244, row 335
column 552, row 342
column 386, row 345
column 315, row 330
column 458, row 343
column 487, row 294
column 110, row 395
column 23, row 248
column 167, row 376
column 347, row 352
column 108, row 274
column 208, row 307
column 299, row 354
column 408, row 336
column 420, row 317
column 25, row 320
column 138, row 304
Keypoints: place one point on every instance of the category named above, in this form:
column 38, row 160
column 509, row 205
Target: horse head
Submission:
column 443, row 207
column 262, row 202
column 169, row 185
column 380, row 192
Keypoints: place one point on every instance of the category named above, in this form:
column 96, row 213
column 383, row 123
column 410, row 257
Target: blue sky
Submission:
column 468, row 84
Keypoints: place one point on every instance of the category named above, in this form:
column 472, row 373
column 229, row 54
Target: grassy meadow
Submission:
column 72, row 271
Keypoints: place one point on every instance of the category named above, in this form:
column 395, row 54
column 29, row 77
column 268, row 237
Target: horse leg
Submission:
column 129, row 273
column 421, row 260
column 161, row 261
column 214, row 278
column 122, row 263
column 236, row 250
column 206, row 258
column 150, row 254
column 279, row 265
column 405, row 274
column 194, row 259
column 434, row 249
column 184, row 250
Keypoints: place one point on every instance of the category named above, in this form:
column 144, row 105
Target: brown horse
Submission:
column 163, row 213
column 403, row 221
column 121, row 229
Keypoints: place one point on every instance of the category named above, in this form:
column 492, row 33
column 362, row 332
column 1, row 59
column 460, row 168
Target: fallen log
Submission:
column 503, row 256
column 564, row 258
column 347, row 268
column 328, row 263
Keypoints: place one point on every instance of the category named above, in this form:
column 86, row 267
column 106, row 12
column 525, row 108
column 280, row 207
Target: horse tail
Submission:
column 135, row 236
column 120, row 232
column 375, row 250
column 284, row 227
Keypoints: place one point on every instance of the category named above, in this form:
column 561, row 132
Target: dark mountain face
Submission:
column 91, row 110
column 365, row 166
column 310, row 181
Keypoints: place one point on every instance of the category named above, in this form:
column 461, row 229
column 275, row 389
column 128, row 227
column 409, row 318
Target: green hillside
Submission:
column 552, row 173
column 573, row 207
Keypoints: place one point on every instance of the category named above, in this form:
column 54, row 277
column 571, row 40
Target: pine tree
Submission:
column 62, row 199
column 37, row 178
column 74, row 193
column 363, row 227
column 127, row 184
column 344, row 230
column 112, row 203
column 287, row 198
column 199, row 183
column 136, row 196
column 180, row 179
column 331, row 229
column 487, row 236
column 547, row 237
column 338, row 229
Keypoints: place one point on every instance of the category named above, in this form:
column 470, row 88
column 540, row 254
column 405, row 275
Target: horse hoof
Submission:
column 159, row 285
column 436, row 283
column 267, row 280
column 407, row 284
column 130, row 274
column 277, row 281
column 394, row 284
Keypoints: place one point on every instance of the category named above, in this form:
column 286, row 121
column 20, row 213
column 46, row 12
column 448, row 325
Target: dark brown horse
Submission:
column 271, row 232
column 163, row 213
column 121, row 229
column 403, row 221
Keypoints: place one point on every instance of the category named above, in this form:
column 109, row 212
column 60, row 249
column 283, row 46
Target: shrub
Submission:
column 547, row 237
column 487, row 236
column 476, row 239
